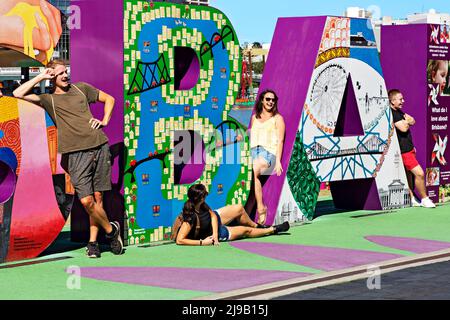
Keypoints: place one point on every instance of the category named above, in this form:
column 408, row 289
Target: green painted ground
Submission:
column 49, row 280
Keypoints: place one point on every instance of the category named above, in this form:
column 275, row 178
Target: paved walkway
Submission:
column 430, row 282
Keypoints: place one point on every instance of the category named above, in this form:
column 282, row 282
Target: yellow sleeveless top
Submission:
column 264, row 134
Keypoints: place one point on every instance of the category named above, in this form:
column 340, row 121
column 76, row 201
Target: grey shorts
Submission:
column 89, row 170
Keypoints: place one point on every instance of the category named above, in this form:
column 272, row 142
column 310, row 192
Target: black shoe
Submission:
column 281, row 227
column 116, row 239
column 93, row 250
column 262, row 226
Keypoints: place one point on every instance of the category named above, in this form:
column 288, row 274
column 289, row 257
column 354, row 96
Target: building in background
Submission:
column 430, row 17
column 357, row 12
column 384, row 21
column 62, row 50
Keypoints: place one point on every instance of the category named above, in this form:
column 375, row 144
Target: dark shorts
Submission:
column 224, row 233
column 410, row 160
column 89, row 170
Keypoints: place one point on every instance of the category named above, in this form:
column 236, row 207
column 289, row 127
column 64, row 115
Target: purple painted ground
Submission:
column 221, row 280
column 208, row 280
column 409, row 244
column 321, row 258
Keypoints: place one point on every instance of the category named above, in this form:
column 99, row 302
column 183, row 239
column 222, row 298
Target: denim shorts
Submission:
column 224, row 233
column 260, row 152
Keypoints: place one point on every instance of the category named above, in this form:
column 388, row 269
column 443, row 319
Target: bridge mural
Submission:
column 182, row 73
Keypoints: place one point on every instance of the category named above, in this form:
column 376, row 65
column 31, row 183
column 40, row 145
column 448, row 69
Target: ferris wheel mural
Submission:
column 336, row 157
column 326, row 95
column 347, row 80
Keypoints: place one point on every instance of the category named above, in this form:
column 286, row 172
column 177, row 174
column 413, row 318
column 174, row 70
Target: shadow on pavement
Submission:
column 62, row 244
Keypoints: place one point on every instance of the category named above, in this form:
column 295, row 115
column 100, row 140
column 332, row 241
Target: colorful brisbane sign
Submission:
column 175, row 71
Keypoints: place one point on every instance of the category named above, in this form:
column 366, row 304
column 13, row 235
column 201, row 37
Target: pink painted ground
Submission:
column 409, row 244
column 321, row 258
column 208, row 280
column 221, row 280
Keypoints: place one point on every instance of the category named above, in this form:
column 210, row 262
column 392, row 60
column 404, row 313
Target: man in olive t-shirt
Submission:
column 82, row 143
column 73, row 118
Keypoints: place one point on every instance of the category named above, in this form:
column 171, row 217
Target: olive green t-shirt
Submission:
column 72, row 118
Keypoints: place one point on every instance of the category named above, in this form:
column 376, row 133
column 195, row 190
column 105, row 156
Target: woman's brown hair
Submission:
column 259, row 106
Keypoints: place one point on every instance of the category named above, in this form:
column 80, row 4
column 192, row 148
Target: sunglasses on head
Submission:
column 270, row 99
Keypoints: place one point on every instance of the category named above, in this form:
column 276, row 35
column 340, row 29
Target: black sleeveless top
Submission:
column 205, row 225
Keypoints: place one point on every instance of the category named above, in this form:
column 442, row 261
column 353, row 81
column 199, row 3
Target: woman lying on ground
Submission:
column 214, row 223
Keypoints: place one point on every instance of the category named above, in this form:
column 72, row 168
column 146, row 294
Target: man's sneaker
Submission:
column 116, row 239
column 93, row 250
column 427, row 203
column 281, row 227
column 415, row 203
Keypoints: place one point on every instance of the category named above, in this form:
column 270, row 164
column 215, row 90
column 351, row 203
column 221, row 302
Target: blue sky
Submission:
column 254, row 20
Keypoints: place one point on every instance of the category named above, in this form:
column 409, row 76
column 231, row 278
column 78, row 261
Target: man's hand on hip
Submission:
column 97, row 124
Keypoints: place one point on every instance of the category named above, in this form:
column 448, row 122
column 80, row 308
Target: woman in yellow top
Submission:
column 266, row 142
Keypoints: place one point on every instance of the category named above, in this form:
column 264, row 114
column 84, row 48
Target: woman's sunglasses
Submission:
column 270, row 99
